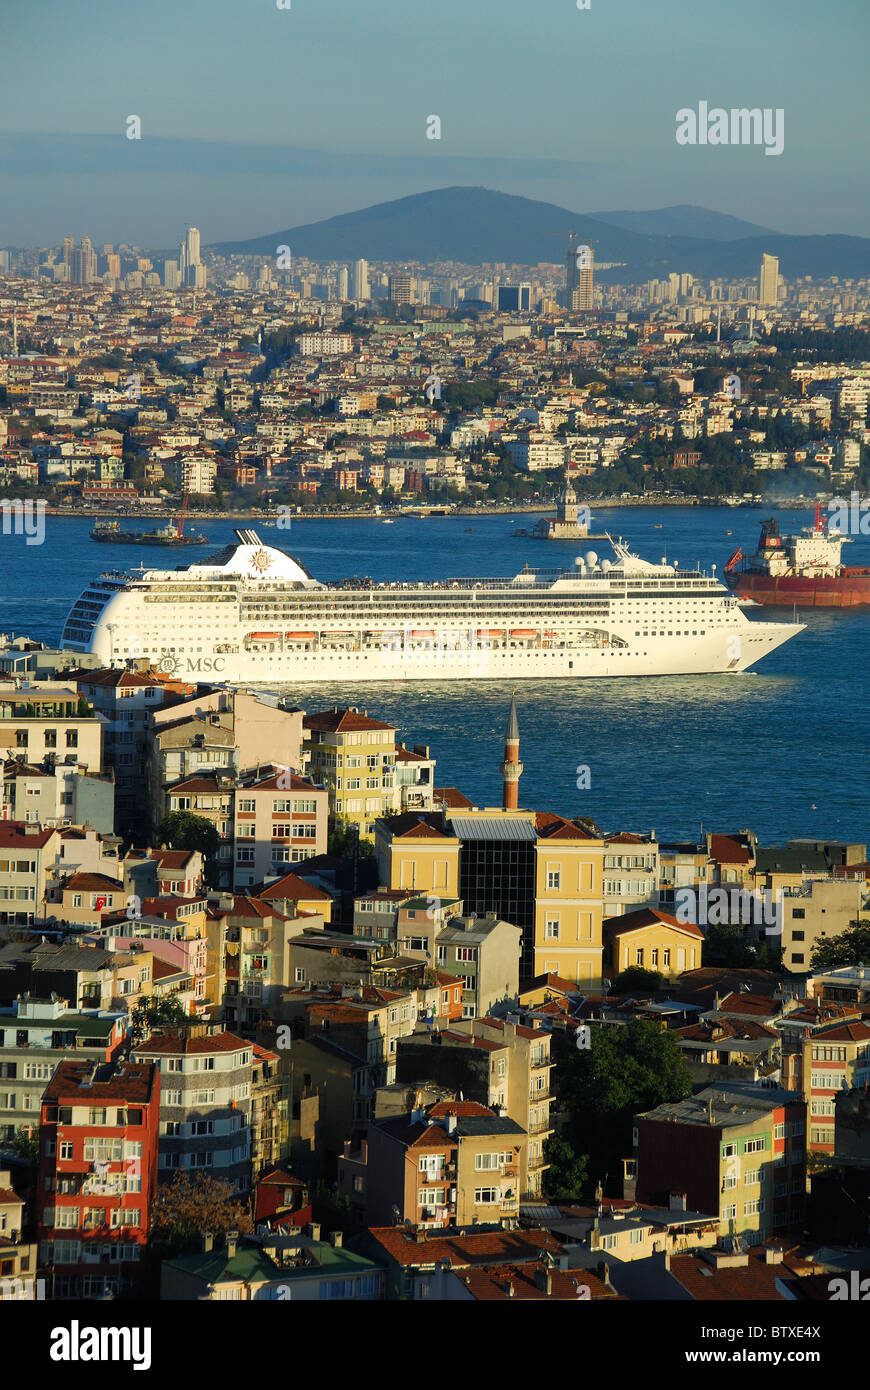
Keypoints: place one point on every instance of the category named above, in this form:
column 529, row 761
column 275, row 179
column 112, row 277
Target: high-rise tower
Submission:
column 511, row 769
column 768, row 280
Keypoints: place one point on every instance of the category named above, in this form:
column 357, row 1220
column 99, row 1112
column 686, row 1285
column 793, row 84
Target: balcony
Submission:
column 545, row 1127
column 544, row 1094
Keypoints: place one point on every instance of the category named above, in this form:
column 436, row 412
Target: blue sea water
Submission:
column 782, row 749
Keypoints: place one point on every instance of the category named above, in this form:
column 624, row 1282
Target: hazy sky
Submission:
column 255, row 119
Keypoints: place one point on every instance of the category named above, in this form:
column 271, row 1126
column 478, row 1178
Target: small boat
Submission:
column 728, row 533
column 658, row 527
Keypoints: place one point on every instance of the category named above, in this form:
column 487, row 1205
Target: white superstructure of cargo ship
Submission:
column 251, row 614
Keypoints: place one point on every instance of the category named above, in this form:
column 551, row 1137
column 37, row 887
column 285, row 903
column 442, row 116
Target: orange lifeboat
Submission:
column 300, row 636
column 490, row 632
column 264, row 636
column 524, row 632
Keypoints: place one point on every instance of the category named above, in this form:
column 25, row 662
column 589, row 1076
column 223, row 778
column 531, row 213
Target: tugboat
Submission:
column 804, row 569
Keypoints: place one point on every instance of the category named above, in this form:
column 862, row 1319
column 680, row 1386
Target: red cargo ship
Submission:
column 805, row 570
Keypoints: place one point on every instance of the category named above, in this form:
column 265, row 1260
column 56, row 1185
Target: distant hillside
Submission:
column 684, row 220
column 473, row 225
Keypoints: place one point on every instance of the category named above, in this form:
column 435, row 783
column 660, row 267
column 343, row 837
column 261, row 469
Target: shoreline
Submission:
column 359, row 514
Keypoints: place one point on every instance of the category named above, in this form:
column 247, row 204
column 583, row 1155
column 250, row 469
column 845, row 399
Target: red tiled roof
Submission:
column 13, row 836
column 551, row 827
column 454, row 798
column 342, row 721
column 173, row 1044
column 133, row 1082
column 728, row 850
column 292, row 887
column 93, row 882
column 461, row 1250
column 504, row 1281
column 756, row 1281
column 643, row 917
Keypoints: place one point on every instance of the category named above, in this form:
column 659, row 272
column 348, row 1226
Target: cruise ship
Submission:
column 251, row 614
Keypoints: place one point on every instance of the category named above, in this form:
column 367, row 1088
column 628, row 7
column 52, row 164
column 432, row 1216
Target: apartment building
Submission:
column 57, row 794
column 415, row 778
column 835, row 1060
column 631, row 872
column 87, row 976
column 818, row 909
column 270, row 1111
column 497, row 1063
column 125, row 700
column 278, row 820
column 97, row 1175
column 18, row 1258
column 213, row 799
column 484, row 954
column 735, row 1151
column 354, row 757
column 206, row 1078
column 27, row 858
column 41, row 719
column 35, row 1036
column 455, row 1163
column 417, row 852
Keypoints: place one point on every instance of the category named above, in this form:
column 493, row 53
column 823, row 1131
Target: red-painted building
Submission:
column 97, row 1175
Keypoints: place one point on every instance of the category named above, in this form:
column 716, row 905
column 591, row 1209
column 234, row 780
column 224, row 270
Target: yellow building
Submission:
column 414, row 851
column 651, row 940
column 354, row 757
column 41, row 719
column 568, row 899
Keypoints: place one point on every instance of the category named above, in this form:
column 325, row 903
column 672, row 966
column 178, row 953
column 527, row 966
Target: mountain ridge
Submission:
column 472, row 225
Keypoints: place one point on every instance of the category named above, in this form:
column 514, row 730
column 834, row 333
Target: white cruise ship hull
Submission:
column 257, row 618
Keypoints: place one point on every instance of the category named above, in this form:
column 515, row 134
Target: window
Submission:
column 609, row 1242
column 636, row 1237
column 551, row 929
column 753, row 1208
column 247, row 804
column 554, row 878
column 485, row 1196
column 754, row 1146
column 66, row 1149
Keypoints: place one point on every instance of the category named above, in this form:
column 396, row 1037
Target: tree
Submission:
column 184, row 830
column 189, row 1205
column 567, row 1173
column 636, row 978
column 624, row 1071
column 26, row 1146
column 849, row 947
column 343, row 839
column 159, row 1013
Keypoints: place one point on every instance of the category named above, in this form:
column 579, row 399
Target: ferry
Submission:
column 252, row 614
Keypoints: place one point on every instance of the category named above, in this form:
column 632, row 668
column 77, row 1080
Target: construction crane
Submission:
column 183, row 513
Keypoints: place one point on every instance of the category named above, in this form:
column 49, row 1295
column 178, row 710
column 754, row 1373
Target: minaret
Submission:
column 511, row 768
